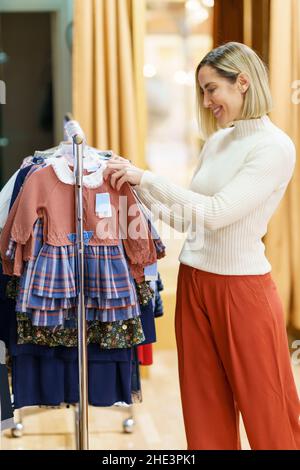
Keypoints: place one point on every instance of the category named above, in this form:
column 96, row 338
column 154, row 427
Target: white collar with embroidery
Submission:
column 66, row 175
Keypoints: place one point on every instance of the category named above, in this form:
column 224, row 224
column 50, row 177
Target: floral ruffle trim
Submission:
column 110, row 335
column 144, row 292
column 12, row 287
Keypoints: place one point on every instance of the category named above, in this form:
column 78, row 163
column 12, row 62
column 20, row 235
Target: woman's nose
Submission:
column 206, row 101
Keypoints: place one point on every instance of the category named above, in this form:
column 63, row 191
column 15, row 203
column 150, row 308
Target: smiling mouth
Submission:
column 217, row 111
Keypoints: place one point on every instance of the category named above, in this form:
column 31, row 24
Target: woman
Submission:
column 230, row 330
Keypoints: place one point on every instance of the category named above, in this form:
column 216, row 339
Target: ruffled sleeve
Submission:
column 139, row 246
column 19, row 225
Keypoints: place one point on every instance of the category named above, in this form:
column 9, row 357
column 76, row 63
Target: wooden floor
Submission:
column 158, row 419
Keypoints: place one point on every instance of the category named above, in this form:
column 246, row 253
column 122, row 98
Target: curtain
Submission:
column 108, row 83
column 283, row 239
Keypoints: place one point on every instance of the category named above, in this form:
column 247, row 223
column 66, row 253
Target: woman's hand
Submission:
column 120, row 170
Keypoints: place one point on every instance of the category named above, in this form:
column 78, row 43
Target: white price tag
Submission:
column 103, row 205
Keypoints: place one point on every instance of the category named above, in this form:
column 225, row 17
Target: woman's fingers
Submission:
column 107, row 172
column 115, row 176
column 112, row 168
column 117, row 165
column 122, row 159
column 121, row 181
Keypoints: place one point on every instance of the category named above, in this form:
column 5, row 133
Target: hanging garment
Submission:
column 145, row 355
column 26, row 326
column 40, row 309
column 53, row 380
column 50, row 195
column 145, row 350
column 35, row 366
column 21, row 177
column 13, row 186
column 48, row 292
column 160, row 247
column 49, row 282
column 158, row 307
column 41, row 363
column 7, row 304
column 6, row 411
column 5, row 197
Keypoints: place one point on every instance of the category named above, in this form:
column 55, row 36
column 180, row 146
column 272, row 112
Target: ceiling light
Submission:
column 180, row 77
column 208, row 3
column 192, row 5
column 149, row 70
column 197, row 16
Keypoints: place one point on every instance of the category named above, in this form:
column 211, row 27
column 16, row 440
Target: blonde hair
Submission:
column 229, row 60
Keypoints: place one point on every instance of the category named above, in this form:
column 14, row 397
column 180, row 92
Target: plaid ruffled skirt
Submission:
column 48, row 291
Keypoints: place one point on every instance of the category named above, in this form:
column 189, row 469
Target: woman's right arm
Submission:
column 163, row 212
column 160, row 211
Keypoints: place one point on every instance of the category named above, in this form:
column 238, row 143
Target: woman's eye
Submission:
column 211, row 90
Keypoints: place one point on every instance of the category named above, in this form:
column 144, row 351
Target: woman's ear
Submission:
column 243, row 82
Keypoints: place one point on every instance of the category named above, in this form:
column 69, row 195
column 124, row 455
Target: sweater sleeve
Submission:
column 161, row 210
column 21, row 219
column 31, row 199
column 267, row 167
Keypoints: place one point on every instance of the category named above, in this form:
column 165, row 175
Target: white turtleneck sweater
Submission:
column 242, row 175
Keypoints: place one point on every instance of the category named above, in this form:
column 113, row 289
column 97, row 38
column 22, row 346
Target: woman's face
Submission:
column 223, row 98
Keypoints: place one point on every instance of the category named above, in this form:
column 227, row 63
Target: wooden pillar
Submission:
column 246, row 21
column 261, row 28
column 228, row 21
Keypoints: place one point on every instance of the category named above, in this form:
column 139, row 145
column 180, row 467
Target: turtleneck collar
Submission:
column 245, row 127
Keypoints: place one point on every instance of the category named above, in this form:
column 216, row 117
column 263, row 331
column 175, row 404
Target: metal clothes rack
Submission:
column 73, row 132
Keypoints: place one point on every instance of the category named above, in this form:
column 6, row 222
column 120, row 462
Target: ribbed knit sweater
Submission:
column 242, row 176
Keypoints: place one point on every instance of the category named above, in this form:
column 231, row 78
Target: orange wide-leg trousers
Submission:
column 233, row 357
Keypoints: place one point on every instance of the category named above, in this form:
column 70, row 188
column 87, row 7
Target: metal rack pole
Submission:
column 74, row 131
column 82, row 340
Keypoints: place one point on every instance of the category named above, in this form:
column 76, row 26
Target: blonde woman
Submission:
column 232, row 345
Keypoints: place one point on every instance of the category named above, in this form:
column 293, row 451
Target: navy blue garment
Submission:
column 158, row 307
column 6, row 305
column 152, row 310
column 148, row 323
column 44, row 380
column 49, row 376
column 7, row 313
column 6, row 419
column 135, row 376
column 19, row 183
column 3, row 283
